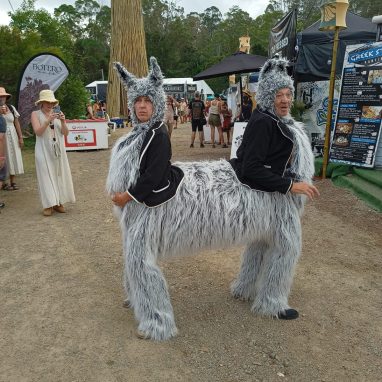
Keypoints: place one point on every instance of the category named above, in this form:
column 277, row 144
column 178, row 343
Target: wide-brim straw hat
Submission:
column 47, row 96
column 4, row 93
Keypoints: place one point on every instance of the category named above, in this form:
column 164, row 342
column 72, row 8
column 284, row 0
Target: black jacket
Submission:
column 158, row 180
column 263, row 156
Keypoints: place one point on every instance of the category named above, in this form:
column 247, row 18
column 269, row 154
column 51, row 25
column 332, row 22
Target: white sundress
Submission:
column 52, row 166
column 13, row 153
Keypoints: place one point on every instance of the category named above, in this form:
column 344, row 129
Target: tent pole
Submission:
column 330, row 104
column 241, row 92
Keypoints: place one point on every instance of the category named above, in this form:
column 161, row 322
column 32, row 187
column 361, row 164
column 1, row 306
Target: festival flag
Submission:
column 282, row 39
column 43, row 71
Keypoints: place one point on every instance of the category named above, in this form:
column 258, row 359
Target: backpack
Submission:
column 196, row 109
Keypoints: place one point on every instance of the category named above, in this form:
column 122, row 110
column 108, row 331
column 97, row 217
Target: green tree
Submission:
column 73, row 97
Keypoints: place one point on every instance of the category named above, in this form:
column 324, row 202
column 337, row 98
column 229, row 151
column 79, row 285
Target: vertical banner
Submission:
column 358, row 124
column 43, row 71
column 282, row 39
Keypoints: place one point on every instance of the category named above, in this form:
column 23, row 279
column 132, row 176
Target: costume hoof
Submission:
column 142, row 335
column 127, row 304
column 238, row 293
column 288, row 314
column 159, row 328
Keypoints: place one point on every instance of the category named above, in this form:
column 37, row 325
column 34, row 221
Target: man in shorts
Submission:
column 196, row 107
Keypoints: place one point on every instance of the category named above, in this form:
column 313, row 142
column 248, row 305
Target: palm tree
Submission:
column 128, row 46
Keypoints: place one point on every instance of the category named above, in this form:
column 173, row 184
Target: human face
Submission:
column 283, row 102
column 143, row 108
column 47, row 107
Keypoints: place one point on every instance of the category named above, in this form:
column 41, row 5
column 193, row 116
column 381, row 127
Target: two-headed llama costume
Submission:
column 210, row 208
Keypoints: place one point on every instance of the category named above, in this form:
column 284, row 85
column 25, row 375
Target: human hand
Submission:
column 61, row 116
column 3, row 109
column 306, row 189
column 121, row 198
column 2, row 162
column 21, row 142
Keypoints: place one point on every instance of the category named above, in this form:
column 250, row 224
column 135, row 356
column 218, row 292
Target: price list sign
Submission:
column 358, row 124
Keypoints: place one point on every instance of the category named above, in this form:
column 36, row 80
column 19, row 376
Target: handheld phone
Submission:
column 57, row 109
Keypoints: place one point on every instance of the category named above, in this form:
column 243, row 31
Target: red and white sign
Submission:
column 86, row 134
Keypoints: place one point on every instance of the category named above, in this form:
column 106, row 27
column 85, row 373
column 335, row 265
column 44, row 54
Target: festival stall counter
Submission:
column 87, row 134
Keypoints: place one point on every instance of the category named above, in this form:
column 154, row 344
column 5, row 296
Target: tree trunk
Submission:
column 128, row 46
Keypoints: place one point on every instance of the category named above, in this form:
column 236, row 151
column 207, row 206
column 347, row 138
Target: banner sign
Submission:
column 43, row 71
column 282, row 39
column 358, row 124
column 315, row 97
column 86, row 135
column 173, row 88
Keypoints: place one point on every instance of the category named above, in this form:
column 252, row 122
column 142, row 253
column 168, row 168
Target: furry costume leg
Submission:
column 276, row 274
column 244, row 285
column 148, row 289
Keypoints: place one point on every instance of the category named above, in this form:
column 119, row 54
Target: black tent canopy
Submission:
column 315, row 47
column 239, row 62
column 236, row 63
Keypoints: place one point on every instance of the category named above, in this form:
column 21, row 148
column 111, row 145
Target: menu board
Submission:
column 358, row 124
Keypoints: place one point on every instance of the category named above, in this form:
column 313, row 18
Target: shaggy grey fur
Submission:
column 273, row 77
column 211, row 209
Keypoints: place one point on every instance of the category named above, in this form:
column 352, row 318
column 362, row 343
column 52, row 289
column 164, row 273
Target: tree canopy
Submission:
column 184, row 44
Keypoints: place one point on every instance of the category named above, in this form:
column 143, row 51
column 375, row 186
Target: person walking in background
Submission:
column 89, row 110
column 245, row 109
column 183, row 110
column 196, row 107
column 171, row 104
column 3, row 167
column 214, row 120
column 14, row 141
column 52, row 166
column 176, row 114
column 227, row 119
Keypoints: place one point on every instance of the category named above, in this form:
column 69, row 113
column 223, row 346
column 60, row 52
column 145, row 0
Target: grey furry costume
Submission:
column 212, row 208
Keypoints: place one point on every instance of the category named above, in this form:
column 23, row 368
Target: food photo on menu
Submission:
column 375, row 77
column 341, row 140
column 372, row 112
column 344, row 128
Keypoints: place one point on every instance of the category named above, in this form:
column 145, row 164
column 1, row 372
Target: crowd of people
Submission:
column 213, row 113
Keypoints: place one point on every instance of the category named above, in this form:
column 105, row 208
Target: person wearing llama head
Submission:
column 158, row 180
column 264, row 157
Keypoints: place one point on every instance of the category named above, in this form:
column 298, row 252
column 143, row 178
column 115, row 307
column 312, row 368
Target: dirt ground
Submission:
column 61, row 294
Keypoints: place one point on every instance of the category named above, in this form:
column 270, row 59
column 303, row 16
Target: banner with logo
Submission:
column 43, row 71
column 282, row 39
column 315, row 96
column 358, row 124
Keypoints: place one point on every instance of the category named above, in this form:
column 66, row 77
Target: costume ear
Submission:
column 126, row 77
column 282, row 65
column 267, row 67
column 155, row 74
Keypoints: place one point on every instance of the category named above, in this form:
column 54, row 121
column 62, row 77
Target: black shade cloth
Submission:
column 238, row 62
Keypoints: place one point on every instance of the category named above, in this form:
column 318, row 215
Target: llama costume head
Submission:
column 150, row 86
column 273, row 77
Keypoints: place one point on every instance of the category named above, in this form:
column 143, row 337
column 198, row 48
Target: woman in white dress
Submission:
column 14, row 140
column 52, row 166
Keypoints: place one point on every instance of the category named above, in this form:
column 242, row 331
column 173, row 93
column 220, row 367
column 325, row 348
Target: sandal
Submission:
column 10, row 187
